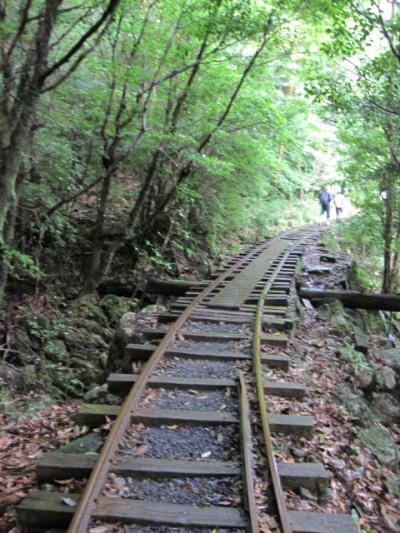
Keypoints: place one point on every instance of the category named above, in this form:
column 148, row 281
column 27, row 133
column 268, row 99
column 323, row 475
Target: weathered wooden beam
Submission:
column 216, row 336
column 142, row 352
column 354, row 299
column 171, row 287
column 48, row 510
column 56, row 465
column 311, row 476
column 301, row 521
column 291, row 424
column 123, row 382
column 93, row 415
column 285, row 389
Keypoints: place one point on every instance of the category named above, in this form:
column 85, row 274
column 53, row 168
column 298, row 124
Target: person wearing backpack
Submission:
column 325, row 201
column 339, row 201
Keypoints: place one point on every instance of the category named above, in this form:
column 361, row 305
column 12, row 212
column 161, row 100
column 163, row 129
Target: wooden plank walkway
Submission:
column 240, row 288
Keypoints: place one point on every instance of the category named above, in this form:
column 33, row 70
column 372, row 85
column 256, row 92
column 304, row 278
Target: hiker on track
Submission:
column 325, row 201
column 339, row 200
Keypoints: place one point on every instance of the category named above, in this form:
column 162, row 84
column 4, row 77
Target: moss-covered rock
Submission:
column 391, row 357
column 88, row 371
column 355, row 404
column 79, row 339
column 88, row 307
column 68, row 383
column 124, row 334
column 340, row 325
column 335, row 314
column 9, row 375
column 28, row 377
column 21, row 350
column 385, row 378
column 116, row 306
column 377, row 440
column 100, row 394
column 90, row 443
column 96, row 313
column 364, row 378
column 55, row 350
column 386, row 407
column 88, row 325
column 393, row 484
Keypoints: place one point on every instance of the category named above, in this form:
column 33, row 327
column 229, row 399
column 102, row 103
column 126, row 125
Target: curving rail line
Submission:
column 252, row 287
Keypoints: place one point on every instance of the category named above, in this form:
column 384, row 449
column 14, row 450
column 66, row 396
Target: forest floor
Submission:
column 352, row 396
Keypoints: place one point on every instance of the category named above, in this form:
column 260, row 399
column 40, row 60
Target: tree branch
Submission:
column 112, row 6
column 24, row 20
column 73, row 197
column 78, row 61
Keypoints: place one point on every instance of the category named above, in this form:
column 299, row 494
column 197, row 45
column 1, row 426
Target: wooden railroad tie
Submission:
column 93, row 415
column 123, row 382
column 142, row 352
column 58, row 465
column 48, row 510
column 212, row 336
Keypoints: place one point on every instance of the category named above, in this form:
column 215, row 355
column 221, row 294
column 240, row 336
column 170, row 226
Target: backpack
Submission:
column 324, row 197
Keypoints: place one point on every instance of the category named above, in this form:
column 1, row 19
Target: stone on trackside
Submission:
column 377, row 440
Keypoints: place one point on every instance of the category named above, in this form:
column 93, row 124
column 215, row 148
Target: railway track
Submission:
column 181, row 451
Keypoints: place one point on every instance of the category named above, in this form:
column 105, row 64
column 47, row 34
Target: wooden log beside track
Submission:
column 171, row 287
column 354, row 299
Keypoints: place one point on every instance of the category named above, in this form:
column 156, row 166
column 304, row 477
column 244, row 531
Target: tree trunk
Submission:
column 388, row 238
column 354, row 299
column 9, row 170
column 95, row 264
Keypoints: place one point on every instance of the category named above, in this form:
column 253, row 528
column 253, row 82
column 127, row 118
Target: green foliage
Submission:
column 21, row 265
column 154, row 256
column 40, row 327
column 167, row 75
column 355, row 358
column 115, row 306
column 363, row 92
column 361, row 238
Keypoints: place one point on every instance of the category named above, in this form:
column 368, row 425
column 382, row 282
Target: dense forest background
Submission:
column 142, row 137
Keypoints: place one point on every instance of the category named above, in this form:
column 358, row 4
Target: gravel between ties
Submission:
column 220, row 327
column 192, row 399
column 182, row 442
column 186, row 491
column 198, row 368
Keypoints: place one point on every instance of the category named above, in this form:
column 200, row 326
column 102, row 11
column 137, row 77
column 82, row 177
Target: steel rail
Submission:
column 87, row 503
column 261, row 398
column 245, row 442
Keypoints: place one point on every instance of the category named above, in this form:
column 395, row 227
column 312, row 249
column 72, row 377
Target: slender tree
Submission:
column 34, row 60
